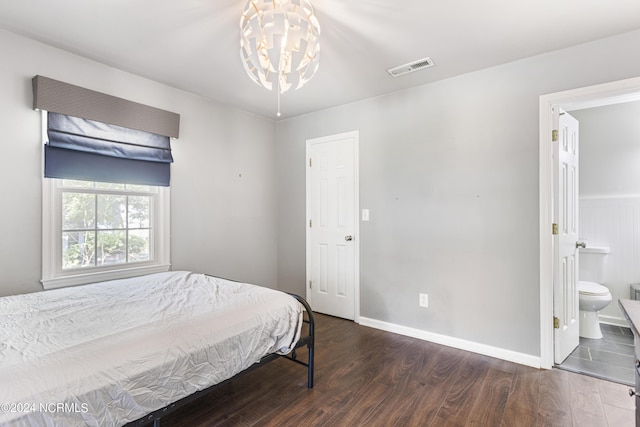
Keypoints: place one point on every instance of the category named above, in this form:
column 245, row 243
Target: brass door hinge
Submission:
column 554, row 228
column 310, row 162
column 310, row 284
column 310, row 223
column 554, row 135
column 556, row 323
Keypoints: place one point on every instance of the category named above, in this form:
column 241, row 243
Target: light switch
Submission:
column 365, row 214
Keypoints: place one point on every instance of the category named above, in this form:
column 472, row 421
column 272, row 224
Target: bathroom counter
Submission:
column 631, row 311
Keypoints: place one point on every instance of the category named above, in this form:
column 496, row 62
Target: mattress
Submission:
column 111, row 352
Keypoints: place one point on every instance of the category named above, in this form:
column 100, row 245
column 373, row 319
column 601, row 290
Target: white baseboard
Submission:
column 611, row 320
column 487, row 350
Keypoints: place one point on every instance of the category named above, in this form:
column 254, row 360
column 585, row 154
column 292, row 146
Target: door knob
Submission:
column 581, row 245
column 348, row 238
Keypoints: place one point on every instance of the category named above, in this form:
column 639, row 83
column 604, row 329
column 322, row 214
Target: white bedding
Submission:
column 108, row 353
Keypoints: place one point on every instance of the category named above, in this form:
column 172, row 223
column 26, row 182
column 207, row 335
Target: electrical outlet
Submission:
column 424, row 300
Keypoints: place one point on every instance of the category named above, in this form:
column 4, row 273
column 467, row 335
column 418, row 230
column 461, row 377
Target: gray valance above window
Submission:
column 97, row 137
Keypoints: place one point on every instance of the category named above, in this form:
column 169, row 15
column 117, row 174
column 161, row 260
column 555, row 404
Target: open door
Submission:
column 565, row 286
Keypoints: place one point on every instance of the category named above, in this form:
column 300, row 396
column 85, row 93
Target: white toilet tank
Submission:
column 593, row 261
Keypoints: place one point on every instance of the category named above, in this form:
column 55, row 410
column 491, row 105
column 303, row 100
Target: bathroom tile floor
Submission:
column 610, row 358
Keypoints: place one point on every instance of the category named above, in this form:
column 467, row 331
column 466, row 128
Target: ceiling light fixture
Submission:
column 279, row 43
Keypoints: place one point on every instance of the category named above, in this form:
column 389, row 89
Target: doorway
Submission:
column 333, row 237
column 576, row 99
column 607, row 209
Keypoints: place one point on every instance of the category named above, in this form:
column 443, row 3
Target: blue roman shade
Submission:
column 88, row 150
column 97, row 137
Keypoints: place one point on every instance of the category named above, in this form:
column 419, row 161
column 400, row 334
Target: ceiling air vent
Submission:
column 411, row 67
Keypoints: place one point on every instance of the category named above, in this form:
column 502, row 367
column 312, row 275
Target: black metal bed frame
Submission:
column 308, row 341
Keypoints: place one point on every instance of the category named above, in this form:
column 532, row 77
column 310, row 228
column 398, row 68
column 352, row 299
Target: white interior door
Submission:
column 332, row 233
column 565, row 289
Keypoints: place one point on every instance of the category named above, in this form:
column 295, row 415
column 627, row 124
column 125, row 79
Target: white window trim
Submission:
column 54, row 277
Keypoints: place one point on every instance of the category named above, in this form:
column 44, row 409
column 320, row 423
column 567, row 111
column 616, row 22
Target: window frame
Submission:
column 53, row 276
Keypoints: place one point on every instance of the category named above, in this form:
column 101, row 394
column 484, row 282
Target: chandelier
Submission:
column 279, row 43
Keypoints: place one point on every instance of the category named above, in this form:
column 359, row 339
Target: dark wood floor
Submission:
column 373, row 378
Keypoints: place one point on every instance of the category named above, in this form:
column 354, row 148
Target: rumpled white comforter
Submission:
column 109, row 353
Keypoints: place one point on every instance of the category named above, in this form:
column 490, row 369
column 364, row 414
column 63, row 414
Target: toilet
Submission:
column 593, row 296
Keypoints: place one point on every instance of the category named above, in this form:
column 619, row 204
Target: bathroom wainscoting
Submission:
column 614, row 222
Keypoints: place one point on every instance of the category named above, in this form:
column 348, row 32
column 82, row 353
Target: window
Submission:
column 100, row 231
column 105, row 197
column 105, row 224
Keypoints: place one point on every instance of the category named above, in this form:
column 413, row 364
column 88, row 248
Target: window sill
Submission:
column 101, row 276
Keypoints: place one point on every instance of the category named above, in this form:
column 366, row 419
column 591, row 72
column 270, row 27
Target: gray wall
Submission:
column 609, row 150
column 449, row 171
column 221, row 223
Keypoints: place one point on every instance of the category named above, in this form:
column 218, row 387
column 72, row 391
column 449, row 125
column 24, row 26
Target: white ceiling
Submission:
column 194, row 44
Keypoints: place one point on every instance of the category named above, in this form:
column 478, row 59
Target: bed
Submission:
column 129, row 351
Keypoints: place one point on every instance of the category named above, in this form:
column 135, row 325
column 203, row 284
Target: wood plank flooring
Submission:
column 367, row 377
